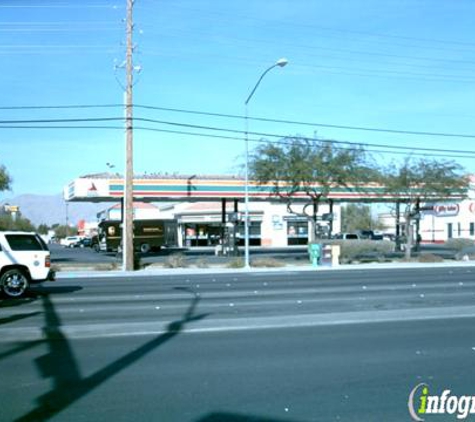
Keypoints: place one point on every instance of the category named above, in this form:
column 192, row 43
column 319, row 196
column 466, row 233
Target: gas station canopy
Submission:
column 105, row 187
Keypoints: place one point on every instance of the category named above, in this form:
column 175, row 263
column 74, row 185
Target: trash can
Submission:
column 314, row 253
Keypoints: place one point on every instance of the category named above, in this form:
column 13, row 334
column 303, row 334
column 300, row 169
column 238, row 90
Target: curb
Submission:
column 289, row 269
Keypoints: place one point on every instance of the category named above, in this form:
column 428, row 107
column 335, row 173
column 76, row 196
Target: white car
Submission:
column 70, row 241
column 24, row 259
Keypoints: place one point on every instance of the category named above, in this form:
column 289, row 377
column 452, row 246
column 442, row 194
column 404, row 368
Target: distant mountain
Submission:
column 52, row 209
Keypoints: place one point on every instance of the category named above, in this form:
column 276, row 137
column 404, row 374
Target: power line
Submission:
column 53, row 107
column 387, row 73
column 397, row 73
column 361, row 72
column 316, row 47
column 56, row 23
column 349, row 146
column 214, row 114
column 390, row 148
column 58, row 27
column 274, row 135
column 340, row 70
column 295, row 47
column 237, row 131
column 61, row 127
column 72, row 29
column 85, row 46
column 87, row 119
column 302, row 123
column 59, row 6
column 286, row 23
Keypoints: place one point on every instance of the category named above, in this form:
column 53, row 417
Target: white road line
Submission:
column 239, row 324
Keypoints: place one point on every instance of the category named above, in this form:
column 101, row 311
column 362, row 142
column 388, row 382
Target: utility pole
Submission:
column 67, row 213
column 127, row 226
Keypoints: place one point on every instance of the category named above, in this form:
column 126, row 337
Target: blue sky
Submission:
column 402, row 65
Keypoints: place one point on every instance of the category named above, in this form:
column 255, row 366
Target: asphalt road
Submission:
column 290, row 347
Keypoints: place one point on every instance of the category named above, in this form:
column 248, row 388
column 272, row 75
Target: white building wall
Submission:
column 273, row 226
column 449, row 220
column 277, row 221
column 446, row 220
column 274, row 218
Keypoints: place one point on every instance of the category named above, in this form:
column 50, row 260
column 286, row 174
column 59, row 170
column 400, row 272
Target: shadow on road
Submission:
column 41, row 290
column 18, row 317
column 9, row 303
column 234, row 417
column 33, row 295
column 60, row 364
column 35, row 292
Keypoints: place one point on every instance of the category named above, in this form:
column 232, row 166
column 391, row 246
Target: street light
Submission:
column 279, row 63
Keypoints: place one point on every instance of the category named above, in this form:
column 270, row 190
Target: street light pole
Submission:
column 280, row 63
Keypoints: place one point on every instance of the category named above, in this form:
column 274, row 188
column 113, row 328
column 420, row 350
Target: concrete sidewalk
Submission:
column 154, row 271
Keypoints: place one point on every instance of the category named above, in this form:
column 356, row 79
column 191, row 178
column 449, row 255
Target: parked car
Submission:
column 365, row 234
column 347, row 236
column 377, row 236
column 70, row 241
column 85, row 242
column 24, row 259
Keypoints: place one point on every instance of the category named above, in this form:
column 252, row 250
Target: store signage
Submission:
column 11, row 208
column 92, row 190
column 446, row 210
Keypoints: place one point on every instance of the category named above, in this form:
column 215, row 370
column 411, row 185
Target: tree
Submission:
column 358, row 217
column 298, row 166
column 425, row 180
column 5, row 179
column 7, row 222
column 43, row 229
column 62, row 231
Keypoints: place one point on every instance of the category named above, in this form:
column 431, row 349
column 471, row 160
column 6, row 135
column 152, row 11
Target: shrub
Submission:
column 429, row 257
column 459, row 244
column 176, row 261
column 235, row 263
column 362, row 249
column 466, row 254
column 266, row 263
column 202, row 263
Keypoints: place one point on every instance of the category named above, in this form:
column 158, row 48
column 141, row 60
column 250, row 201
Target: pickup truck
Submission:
column 24, row 260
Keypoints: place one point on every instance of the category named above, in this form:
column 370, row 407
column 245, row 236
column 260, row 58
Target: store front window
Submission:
column 297, row 232
column 201, row 234
column 195, row 234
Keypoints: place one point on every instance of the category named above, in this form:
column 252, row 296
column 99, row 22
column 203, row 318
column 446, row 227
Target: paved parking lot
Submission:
column 74, row 256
